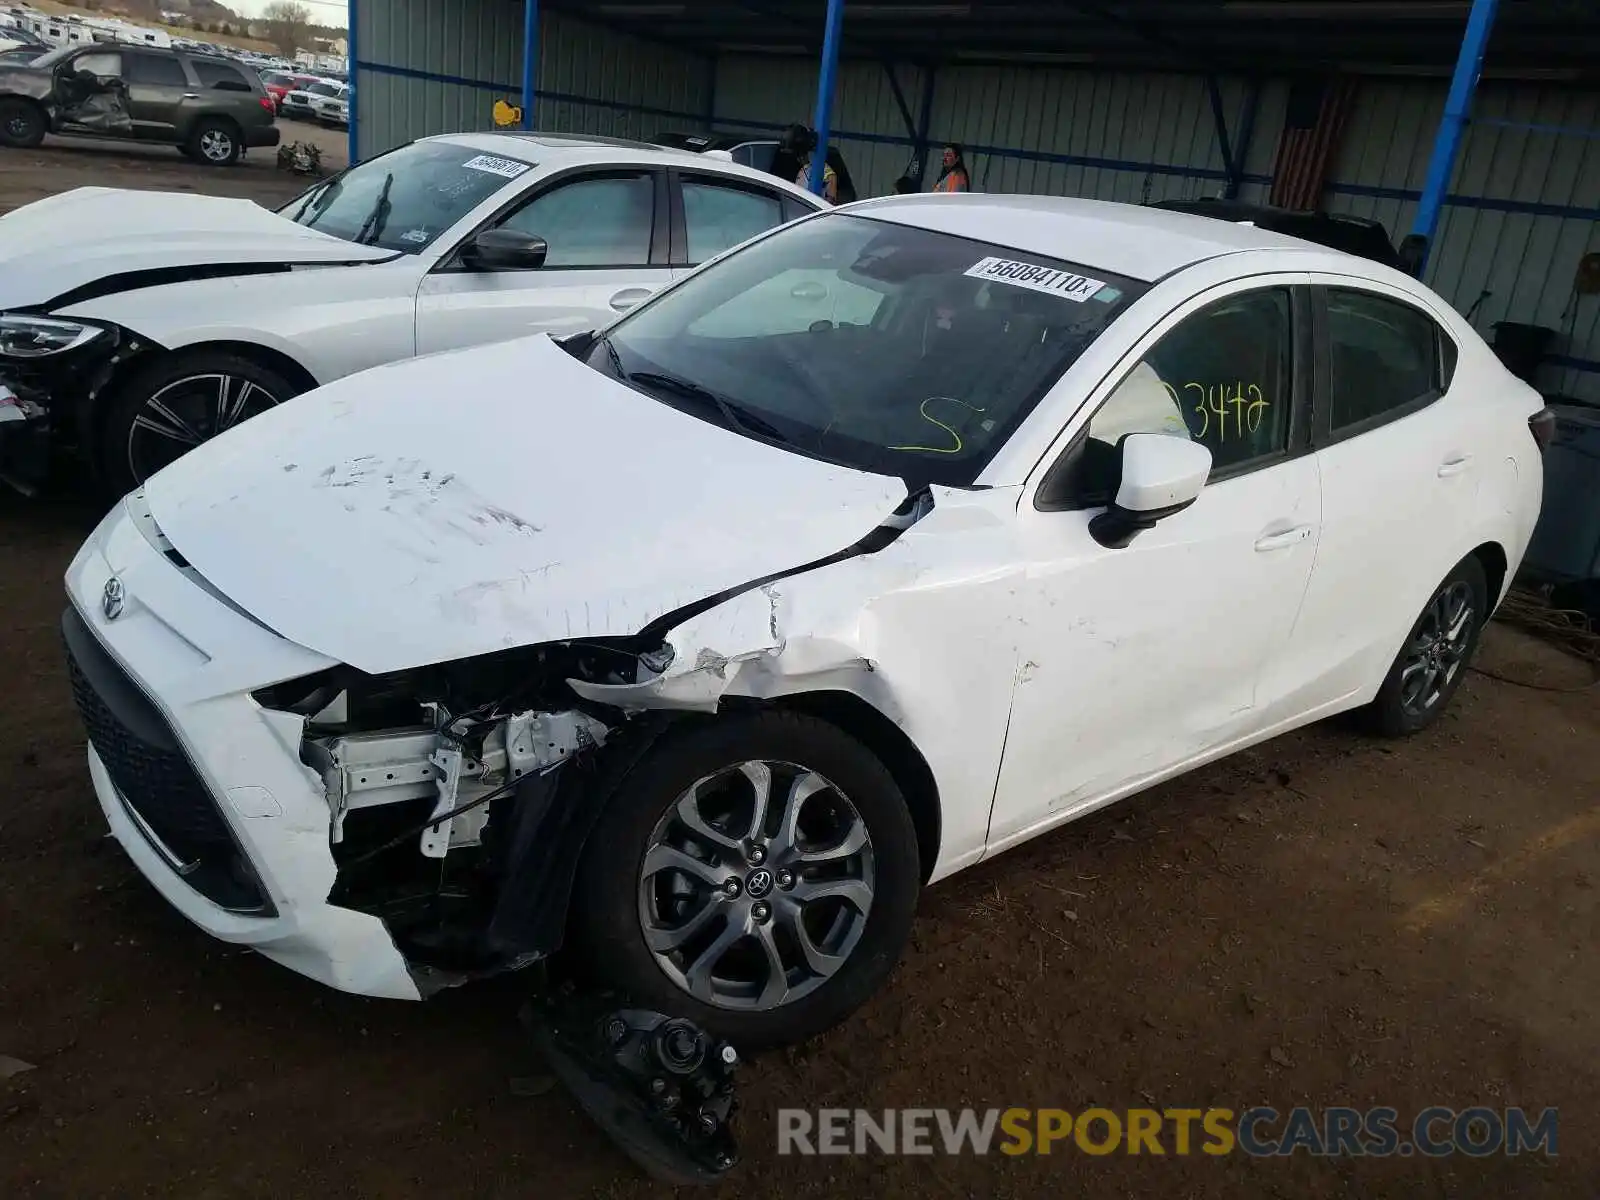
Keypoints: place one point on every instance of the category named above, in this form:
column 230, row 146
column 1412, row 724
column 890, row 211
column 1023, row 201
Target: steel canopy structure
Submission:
column 1364, row 108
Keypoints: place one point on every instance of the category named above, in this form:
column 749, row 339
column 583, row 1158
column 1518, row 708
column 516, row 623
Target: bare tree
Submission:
column 290, row 24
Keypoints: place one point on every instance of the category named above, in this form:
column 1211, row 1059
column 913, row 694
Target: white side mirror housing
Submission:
column 1161, row 474
column 1161, row 471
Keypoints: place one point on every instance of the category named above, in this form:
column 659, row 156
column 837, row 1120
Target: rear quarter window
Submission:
column 224, row 75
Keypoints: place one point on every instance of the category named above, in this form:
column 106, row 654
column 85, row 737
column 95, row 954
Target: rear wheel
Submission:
column 215, row 143
column 22, row 123
column 166, row 410
column 757, row 874
column 1433, row 661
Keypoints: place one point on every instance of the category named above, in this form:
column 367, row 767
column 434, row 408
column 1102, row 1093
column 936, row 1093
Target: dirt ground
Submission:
column 1325, row 920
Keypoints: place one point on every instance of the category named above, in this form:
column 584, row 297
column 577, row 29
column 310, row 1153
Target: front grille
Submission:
column 154, row 777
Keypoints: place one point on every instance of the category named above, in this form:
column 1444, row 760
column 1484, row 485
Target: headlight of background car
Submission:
column 23, row 336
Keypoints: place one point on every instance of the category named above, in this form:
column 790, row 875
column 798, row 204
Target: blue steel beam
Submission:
column 1457, row 111
column 530, row 60
column 826, row 79
column 352, row 140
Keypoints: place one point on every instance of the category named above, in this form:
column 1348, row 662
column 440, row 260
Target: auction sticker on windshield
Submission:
column 1049, row 280
column 510, row 168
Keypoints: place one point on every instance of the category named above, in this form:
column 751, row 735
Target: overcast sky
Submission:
column 323, row 12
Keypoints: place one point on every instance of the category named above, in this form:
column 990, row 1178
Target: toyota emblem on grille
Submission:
column 112, row 597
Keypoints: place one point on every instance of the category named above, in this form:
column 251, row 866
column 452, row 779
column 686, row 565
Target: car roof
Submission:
column 1360, row 236
column 578, row 149
column 1128, row 239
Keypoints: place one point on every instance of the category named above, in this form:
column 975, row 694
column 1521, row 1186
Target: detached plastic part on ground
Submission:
column 660, row 1087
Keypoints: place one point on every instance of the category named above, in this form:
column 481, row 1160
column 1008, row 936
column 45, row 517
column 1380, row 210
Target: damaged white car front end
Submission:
column 352, row 796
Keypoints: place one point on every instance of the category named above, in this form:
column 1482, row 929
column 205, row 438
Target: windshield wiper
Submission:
column 734, row 416
column 372, row 228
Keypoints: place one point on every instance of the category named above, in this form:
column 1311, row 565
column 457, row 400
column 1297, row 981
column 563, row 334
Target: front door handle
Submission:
column 190, row 96
column 1454, row 466
column 628, row 297
column 1282, row 539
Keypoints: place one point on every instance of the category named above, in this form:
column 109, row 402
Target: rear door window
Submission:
column 1383, row 359
column 717, row 216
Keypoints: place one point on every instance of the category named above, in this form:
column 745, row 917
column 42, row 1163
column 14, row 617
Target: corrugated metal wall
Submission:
column 1526, row 204
column 591, row 80
column 1525, row 208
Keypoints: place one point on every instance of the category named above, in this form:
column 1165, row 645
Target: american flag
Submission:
column 1312, row 127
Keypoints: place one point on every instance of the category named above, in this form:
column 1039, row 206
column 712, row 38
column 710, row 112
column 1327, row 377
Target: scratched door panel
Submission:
column 1139, row 659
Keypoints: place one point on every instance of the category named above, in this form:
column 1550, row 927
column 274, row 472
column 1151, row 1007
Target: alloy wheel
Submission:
column 756, row 885
column 1438, row 649
column 216, row 145
column 187, row 412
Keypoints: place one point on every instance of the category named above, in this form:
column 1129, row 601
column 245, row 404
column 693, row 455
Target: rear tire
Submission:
column 23, row 124
column 215, row 142
column 854, row 843
column 192, row 396
column 1434, row 659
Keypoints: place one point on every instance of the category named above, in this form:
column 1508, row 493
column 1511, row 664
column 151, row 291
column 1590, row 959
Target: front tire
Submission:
column 756, row 873
column 23, row 124
column 175, row 404
column 1433, row 661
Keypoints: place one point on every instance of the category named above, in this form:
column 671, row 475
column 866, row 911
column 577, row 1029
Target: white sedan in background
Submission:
column 138, row 324
column 893, row 538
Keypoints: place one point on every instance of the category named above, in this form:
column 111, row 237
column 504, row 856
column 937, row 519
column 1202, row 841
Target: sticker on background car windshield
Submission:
column 1049, row 280
column 510, row 168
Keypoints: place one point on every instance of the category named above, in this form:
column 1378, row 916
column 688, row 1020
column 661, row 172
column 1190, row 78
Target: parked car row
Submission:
column 663, row 565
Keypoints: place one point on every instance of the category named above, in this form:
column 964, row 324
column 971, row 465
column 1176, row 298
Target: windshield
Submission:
column 324, row 89
column 405, row 199
column 883, row 347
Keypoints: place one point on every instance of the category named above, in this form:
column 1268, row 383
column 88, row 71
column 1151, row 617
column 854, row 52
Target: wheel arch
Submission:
column 218, row 115
column 94, row 404
column 893, row 748
column 263, row 355
column 1492, row 558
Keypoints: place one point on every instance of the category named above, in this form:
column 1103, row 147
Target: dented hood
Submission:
column 62, row 243
column 467, row 502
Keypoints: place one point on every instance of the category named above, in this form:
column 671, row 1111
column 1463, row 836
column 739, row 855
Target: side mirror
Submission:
column 1160, row 474
column 505, row 250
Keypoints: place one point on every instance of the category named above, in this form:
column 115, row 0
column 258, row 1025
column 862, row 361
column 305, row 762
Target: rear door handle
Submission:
column 1282, row 539
column 628, row 297
column 1454, row 466
column 190, row 96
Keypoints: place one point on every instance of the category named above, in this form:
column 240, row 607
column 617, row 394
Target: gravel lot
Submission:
column 1325, row 920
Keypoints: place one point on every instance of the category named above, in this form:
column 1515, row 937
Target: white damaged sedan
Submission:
column 701, row 643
